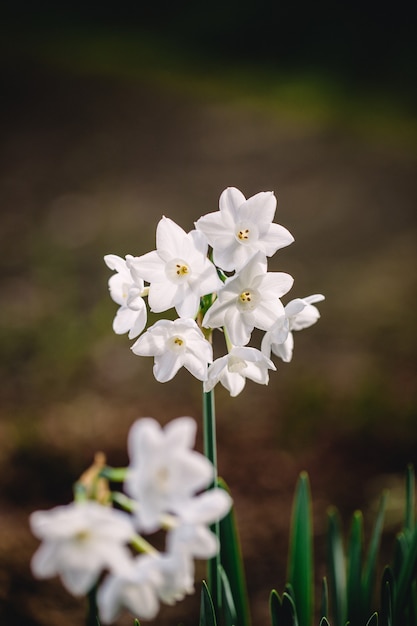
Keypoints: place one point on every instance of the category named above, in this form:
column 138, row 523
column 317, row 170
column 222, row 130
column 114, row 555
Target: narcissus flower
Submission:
column 234, row 368
column 175, row 344
column 192, row 534
column 126, row 292
column 135, row 589
column 299, row 313
column 248, row 300
column 178, row 271
column 243, row 227
column 164, row 472
column 79, row 540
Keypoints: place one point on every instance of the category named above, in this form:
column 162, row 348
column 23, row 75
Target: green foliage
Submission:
column 348, row 591
column 300, row 562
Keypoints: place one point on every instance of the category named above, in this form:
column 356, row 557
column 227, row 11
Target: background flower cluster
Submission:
column 163, row 490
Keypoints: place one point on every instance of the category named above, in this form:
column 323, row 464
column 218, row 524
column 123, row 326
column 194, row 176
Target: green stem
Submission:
column 210, row 450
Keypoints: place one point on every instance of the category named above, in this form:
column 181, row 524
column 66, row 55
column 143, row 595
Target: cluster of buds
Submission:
column 162, row 490
column 215, row 277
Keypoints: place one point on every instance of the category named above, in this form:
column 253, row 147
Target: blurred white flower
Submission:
column 299, row 313
column 249, row 300
column 79, row 540
column 234, row 368
column 177, row 569
column 178, row 271
column 127, row 292
column 192, row 534
column 164, row 472
column 175, row 344
column 243, row 227
column 135, row 590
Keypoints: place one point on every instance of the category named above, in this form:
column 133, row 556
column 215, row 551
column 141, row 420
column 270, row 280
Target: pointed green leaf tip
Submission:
column 207, row 615
column 300, row 562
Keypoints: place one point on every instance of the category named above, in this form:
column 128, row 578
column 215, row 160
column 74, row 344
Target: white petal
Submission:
column 277, row 237
column 169, row 239
column 181, row 432
column 284, row 350
column 230, row 201
column 149, row 267
column 79, row 581
column 167, row 365
column 259, row 208
column 124, row 320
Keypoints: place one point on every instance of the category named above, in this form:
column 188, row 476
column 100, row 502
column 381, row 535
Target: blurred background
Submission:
column 114, row 116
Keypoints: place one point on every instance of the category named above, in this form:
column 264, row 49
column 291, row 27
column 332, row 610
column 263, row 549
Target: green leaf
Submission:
column 275, row 608
column 207, row 614
column 406, row 576
column 288, row 611
column 136, row 622
column 324, row 605
column 324, row 621
column 369, row 570
column 300, row 562
column 337, row 568
column 387, row 591
column 232, row 563
column 283, row 612
column 373, row 620
column 354, row 591
column 228, row 606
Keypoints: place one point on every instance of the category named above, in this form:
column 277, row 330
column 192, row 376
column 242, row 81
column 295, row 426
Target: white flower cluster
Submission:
column 215, row 277
column 82, row 540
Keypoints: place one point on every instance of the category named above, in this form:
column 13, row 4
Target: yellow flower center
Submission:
column 181, row 269
column 245, row 296
column 243, row 234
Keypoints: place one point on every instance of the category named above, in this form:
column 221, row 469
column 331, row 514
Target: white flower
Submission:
column 299, row 313
column 175, row 344
column 178, row 271
column 177, row 569
column 131, row 316
column 192, row 534
column 164, row 472
column 249, row 300
column 135, row 590
column 79, row 541
column 234, row 368
column 243, row 227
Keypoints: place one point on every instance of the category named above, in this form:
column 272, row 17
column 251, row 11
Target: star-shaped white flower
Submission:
column 175, row 344
column 178, row 271
column 298, row 314
column 192, row 534
column 79, row 540
column 164, row 471
column 248, row 300
column 234, row 368
column 135, row 590
column 125, row 291
column 243, row 227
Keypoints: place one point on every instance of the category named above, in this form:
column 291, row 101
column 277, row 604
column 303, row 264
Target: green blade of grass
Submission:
column 387, row 592
column 228, row 605
column 232, row 563
column 300, row 565
column 354, row 591
column 337, row 569
column 369, row 570
column 275, row 608
column 207, row 614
